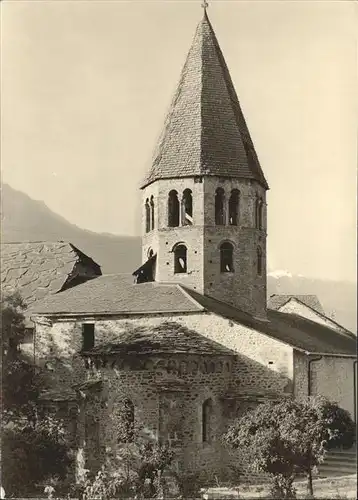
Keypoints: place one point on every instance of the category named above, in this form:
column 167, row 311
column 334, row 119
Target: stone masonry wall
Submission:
column 261, row 366
column 263, row 363
column 331, row 377
column 243, row 288
column 148, row 389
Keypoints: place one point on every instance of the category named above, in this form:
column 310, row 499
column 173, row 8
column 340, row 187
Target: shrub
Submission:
column 286, row 437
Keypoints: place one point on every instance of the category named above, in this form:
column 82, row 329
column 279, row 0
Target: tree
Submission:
column 33, row 446
column 289, row 437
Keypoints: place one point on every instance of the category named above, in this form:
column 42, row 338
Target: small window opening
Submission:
column 173, row 209
column 87, row 336
column 270, row 362
column 187, row 208
column 234, row 207
column 147, row 216
column 180, row 259
column 150, row 253
column 259, row 261
column 226, row 258
column 207, row 414
column 152, row 212
column 220, row 207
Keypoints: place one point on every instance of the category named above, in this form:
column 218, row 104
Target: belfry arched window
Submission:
column 234, row 207
column 207, row 417
column 259, row 261
column 147, row 216
column 259, row 213
column 226, row 258
column 180, row 259
column 187, row 208
column 219, row 207
column 173, row 209
column 152, row 212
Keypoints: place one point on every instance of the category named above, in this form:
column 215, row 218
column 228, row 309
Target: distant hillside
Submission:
column 24, row 219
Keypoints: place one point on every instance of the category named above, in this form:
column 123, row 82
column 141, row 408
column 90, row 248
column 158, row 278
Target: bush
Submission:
column 134, row 470
column 34, row 449
column 283, row 438
column 33, row 454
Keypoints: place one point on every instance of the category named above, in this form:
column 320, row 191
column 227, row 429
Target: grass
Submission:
column 329, row 488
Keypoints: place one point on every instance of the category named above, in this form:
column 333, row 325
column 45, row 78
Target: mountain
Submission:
column 24, row 219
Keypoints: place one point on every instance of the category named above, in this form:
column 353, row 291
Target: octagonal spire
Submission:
column 205, row 133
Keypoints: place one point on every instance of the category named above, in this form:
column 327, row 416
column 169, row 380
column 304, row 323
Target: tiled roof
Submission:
column 205, row 132
column 117, row 294
column 169, row 337
column 291, row 329
column 276, row 301
column 37, row 269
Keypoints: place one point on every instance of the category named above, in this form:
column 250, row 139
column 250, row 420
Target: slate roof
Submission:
column 38, row 269
column 205, row 132
column 116, row 293
column 290, row 328
column 276, row 301
column 168, row 337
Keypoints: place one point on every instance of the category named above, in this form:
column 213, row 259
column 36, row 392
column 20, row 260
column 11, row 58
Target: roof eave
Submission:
column 262, row 182
column 64, row 315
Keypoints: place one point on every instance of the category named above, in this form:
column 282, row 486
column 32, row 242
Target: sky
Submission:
column 85, row 86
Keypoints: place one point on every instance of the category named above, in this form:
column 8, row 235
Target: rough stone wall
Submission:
column 263, row 363
column 331, row 377
column 148, row 392
column 261, row 366
column 242, row 288
column 295, row 307
column 57, row 349
column 164, row 238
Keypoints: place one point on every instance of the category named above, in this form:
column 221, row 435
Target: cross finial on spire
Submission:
column 205, row 5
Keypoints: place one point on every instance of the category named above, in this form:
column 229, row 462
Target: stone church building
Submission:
column 187, row 344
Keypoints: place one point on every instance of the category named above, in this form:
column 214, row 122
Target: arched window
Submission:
column 207, row 415
column 152, row 212
column 150, row 253
column 180, row 259
column 219, row 207
column 259, row 213
column 259, row 261
column 234, row 207
column 128, row 422
column 147, row 216
column 187, row 208
column 226, row 258
column 173, row 209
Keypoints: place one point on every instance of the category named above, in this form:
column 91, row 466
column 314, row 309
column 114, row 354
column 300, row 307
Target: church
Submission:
column 187, row 343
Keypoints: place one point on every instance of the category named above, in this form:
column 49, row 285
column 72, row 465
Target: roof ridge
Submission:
column 195, row 302
column 323, row 316
column 34, row 241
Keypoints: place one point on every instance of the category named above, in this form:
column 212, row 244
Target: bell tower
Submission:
column 204, row 198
